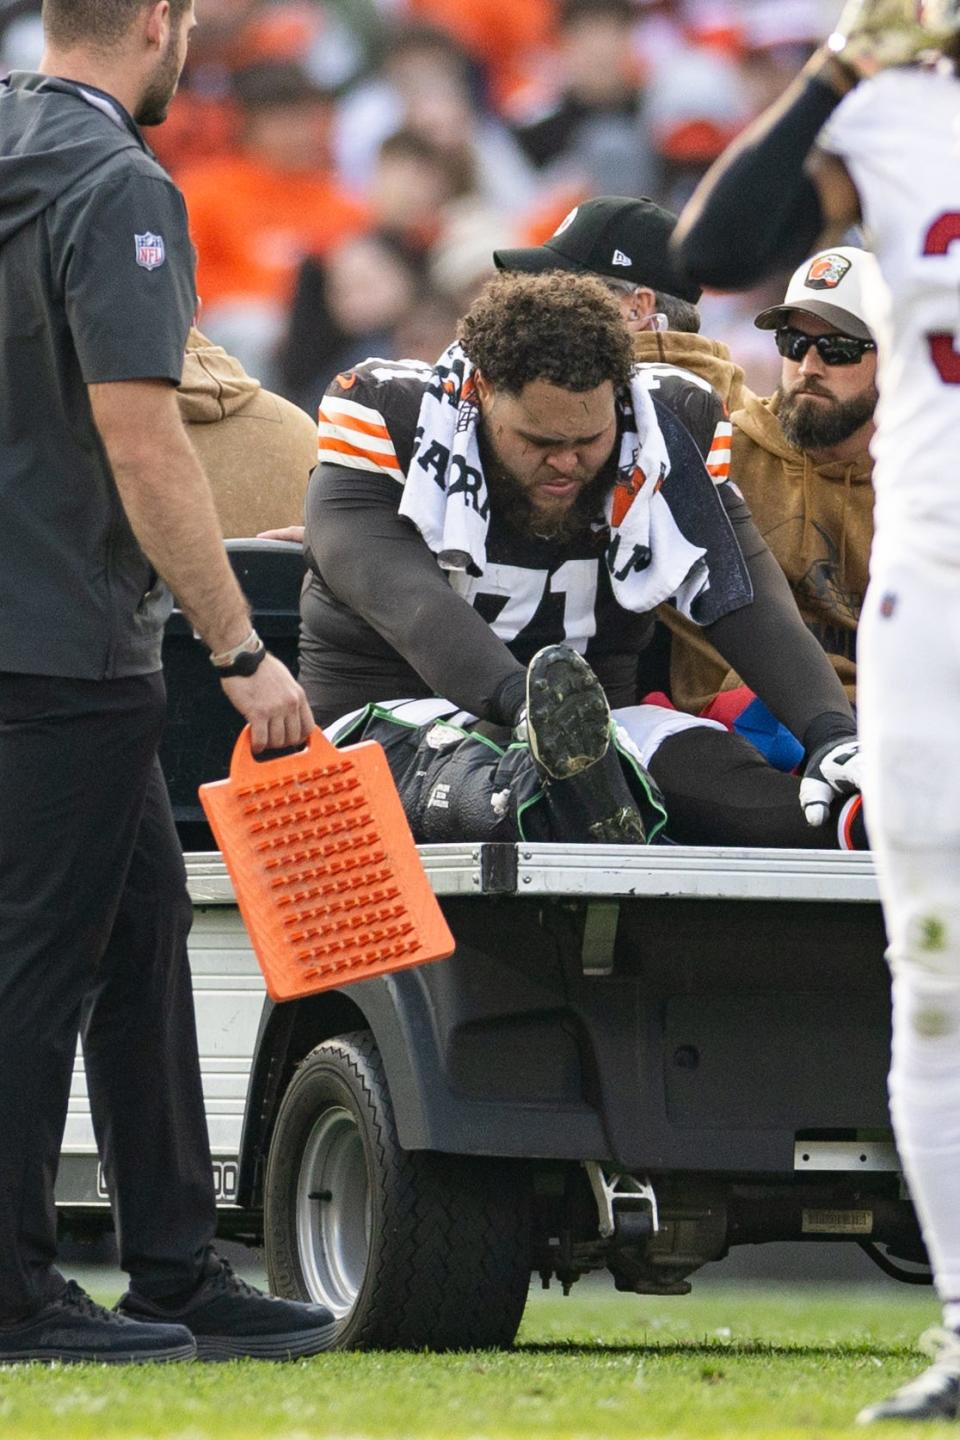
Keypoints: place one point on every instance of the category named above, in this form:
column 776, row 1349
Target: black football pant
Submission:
column 94, row 916
column 717, row 788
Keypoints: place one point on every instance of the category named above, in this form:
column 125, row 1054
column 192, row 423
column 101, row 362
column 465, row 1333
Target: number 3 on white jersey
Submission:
column 944, row 232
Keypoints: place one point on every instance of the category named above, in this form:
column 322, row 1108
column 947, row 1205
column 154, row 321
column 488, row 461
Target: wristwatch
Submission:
column 244, row 659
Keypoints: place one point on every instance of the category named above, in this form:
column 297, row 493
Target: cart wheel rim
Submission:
column 333, row 1211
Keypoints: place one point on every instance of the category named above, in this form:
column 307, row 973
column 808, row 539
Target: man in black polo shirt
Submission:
column 101, row 496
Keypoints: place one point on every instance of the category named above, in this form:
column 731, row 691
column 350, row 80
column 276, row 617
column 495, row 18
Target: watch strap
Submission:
column 251, row 643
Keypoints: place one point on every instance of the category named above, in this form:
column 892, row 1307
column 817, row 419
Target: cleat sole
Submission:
column 568, row 717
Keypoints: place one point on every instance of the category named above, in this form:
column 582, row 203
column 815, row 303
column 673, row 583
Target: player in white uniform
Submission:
column 889, row 157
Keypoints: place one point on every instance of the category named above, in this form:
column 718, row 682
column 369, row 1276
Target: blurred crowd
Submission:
column 350, row 165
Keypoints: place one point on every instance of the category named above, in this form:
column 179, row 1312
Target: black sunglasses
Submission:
column 832, row 349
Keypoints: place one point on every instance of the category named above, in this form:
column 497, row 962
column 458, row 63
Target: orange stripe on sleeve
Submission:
column 378, row 459
column 350, row 422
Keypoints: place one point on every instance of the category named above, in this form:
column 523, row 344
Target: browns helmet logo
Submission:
column 626, row 489
column 826, row 272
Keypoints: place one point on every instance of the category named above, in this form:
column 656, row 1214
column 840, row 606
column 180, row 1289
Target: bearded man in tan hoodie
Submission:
column 802, row 460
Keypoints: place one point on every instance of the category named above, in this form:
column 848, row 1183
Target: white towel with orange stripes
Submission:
column 446, row 496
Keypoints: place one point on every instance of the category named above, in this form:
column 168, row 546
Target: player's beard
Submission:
column 157, row 98
column 511, row 500
column 512, row 503
column 818, row 424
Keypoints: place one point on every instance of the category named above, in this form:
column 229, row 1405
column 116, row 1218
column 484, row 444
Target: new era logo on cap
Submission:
column 620, row 259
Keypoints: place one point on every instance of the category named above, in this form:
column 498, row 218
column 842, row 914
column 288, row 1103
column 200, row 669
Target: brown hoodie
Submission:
column 818, row 522
column 707, row 358
column 257, row 449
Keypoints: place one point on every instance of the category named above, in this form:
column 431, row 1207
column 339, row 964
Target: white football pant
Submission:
column 908, row 691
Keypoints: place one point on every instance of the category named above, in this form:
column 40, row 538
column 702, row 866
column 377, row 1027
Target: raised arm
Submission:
column 772, row 197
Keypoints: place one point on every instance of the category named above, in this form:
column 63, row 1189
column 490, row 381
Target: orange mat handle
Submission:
column 244, row 765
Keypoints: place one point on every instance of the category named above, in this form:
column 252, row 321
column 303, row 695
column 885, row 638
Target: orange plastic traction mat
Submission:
column 325, row 870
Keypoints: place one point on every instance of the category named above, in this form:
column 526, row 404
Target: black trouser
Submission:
column 719, row 790
column 94, row 916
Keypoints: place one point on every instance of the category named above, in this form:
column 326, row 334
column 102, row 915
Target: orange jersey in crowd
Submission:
column 201, row 123
column 500, row 36
column 252, row 226
column 198, row 127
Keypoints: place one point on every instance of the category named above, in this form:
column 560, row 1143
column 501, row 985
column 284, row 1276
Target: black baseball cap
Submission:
column 614, row 236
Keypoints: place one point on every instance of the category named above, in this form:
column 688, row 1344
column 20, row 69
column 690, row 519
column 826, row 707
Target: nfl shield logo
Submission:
column 151, row 251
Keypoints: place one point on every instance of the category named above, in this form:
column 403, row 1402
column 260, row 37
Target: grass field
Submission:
column 743, row 1361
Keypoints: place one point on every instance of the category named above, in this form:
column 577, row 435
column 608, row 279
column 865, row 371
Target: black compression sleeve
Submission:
column 771, row 648
column 762, row 211
column 511, row 697
column 829, row 726
column 377, row 564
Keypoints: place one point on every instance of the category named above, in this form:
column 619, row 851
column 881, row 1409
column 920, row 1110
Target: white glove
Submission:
column 834, row 769
column 872, row 35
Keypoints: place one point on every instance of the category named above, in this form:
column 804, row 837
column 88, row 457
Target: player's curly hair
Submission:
column 562, row 328
column 95, row 22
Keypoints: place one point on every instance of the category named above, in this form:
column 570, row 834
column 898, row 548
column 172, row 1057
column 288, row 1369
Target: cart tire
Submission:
column 409, row 1249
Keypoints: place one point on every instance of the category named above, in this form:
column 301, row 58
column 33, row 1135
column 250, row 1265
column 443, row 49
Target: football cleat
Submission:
column 568, row 718
column 934, row 1395
column 569, row 729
